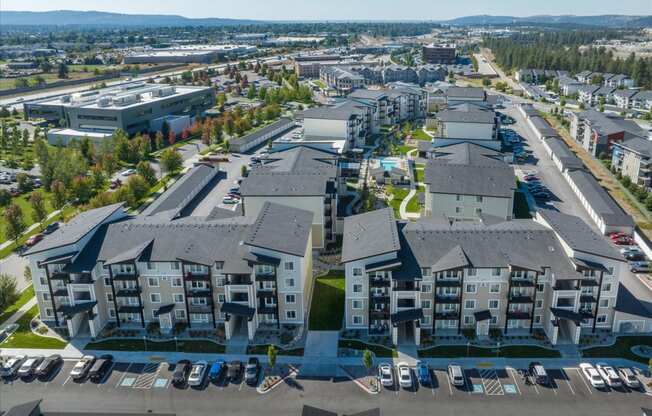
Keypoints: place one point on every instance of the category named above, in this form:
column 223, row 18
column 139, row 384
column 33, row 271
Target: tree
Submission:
column 171, row 160
column 23, row 182
column 58, row 195
column 367, row 359
column 227, row 146
column 63, row 71
column 271, row 355
column 486, row 82
column 39, row 211
column 5, row 197
column 27, row 273
column 15, row 222
column 8, row 291
column 243, row 170
column 81, row 189
column 145, row 170
column 138, row 187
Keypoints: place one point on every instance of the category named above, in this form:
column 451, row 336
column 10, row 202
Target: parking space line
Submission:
column 570, row 386
column 450, row 387
column 106, row 376
column 66, row 380
column 583, row 381
column 123, row 375
column 512, row 371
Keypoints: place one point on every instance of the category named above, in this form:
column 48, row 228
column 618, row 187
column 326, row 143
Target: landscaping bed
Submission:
column 262, row 350
column 620, row 349
column 25, row 338
column 378, row 350
column 327, row 308
column 130, row 344
column 510, row 351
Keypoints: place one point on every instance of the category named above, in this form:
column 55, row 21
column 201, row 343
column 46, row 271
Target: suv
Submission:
column 100, row 368
column 234, row 369
column 48, row 365
column 216, row 371
column 181, row 370
column 629, row 378
column 10, row 368
column 80, row 369
column 456, row 375
column 385, row 374
column 538, row 373
column 251, row 371
column 423, row 373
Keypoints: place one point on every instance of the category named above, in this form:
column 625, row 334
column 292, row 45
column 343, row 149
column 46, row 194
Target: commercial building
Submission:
column 187, row 54
column 554, row 276
column 439, row 54
column 133, row 108
column 465, row 181
column 261, row 136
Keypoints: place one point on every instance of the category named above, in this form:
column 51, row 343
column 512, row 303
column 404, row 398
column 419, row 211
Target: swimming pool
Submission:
column 389, row 163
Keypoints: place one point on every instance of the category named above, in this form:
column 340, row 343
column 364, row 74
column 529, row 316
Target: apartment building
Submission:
column 341, row 79
column 439, row 277
column 642, row 101
column 465, row 181
column 461, row 95
column 597, row 132
column 134, row 107
column 392, row 105
column 348, row 121
column 439, row 54
column 632, row 159
column 467, row 122
column 239, row 273
column 301, row 177
column 623, row 98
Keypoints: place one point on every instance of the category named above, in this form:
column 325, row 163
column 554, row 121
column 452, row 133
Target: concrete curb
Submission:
column 293, row 372
column 359, row 383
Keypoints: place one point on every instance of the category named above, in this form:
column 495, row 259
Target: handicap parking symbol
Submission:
column 509, row 388
column 160, row 383
column 477, row 388
column 128, row 381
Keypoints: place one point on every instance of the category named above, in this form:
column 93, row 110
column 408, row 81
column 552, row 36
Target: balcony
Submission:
column 238, row 280
column 447, row 315
column 520, row 299
column 520, row 282
column 265, row 293
column 128, row 293
column 586, row 313
column 84, row 279
column 587, row 298
column 199, row 293
column 266, row 309
column 261, row 276
column 379, row 313
column 405, row 286
column 379, row 282
column 589, row 283
column 129, row 309
column 448, row 282
column 374, row 298
column 60, row 276
column 197, row 277
column 518, row 315
column 448, row 299
column 124, row 276
column 60, row 292
column 200, row 308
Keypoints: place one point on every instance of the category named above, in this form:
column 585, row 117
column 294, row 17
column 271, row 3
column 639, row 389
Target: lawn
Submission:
column 399, row 195
column 327, row 308
column 621, row 349
column 514, row 351
column 25, row 338
column 130, row 344
column 419, row 175
column 419, row 134
column 24, row 297
column 262, row 350
column 23, row 202
column 404, row 149
column 378, row 350
column 413, row 204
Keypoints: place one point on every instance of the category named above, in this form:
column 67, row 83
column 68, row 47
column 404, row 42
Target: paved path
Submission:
column 31, row 228
column 19, row 313
column 321, row 344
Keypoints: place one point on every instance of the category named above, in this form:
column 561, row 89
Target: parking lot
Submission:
column 142, row 387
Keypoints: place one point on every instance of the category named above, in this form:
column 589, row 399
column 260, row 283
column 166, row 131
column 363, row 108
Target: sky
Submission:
column 340, row 9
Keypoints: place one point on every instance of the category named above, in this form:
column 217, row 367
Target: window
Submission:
column 604, row 303
column 539, row 303
column 495, row 271
column 468, row 319
column 290, row 298
column 46, row 296
column 107, row 282
column 494, row 320
column 494, row 288
column 43, row 281
column 109, row 297
column 494, row 303
column 606, row 287
column 469, row 304
column 152, row 281
column 425, row 320
column 540, row 287
column 176, row 282
column 48, row 312
column 537, row 319
column 472, row 272
column 458, row 197
column 111, row 313
column 471, row 288
column 357, row 319
column 175, row 265
column 221, row 280
column 425, row 271
column 219, row 265
column 458, row 210
column 291, row 314
column 357, row 272
column 289, row 282
column 155, row 297
column 356, row 304
column 602, row 319
column 426, row 288
column 478, row 198
column 425, row 304
column 357, row 288
column 610, row 270
column 289, row 265
column 478, row 211
column 179, row 314
column 151, row 266
column 220, row 297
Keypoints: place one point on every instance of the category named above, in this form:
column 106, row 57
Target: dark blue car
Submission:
column 423, row 373
column 216, row 370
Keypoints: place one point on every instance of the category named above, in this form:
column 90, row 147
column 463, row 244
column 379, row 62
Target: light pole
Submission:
column 176, row 348
column 498, row 350
column 145, row 341
column 468, row 345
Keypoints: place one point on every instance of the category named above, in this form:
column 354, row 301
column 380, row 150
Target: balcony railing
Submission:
column 518, row 315
column 518, row 298
column 449, row 282
column 447, row 299
column 197, row 277
column 123, row 276
column 379, row 282
column 522, row 282
column 447, row 315
column 199, row 293
column 238, row 280
column 128, row 292
column 261, row 276
column 265, row 293
column 84, row 279
column 200, row 308
column 60, row 276
column 408, row 286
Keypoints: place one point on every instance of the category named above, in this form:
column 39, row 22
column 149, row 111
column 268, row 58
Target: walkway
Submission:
column 31, row 228
column 19, row 313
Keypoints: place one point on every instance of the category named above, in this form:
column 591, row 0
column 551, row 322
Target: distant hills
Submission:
column 607, row 20
column 94, row 18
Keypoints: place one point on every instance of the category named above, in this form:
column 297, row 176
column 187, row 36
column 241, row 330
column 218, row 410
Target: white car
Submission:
column 197, row 373
column 592, row 375
column 10, row 368
column 609, row 374
column 80, row 369
column 404, row 375
column 629, row 378
column 29, row 366
column 128, row 172
column 386, row 375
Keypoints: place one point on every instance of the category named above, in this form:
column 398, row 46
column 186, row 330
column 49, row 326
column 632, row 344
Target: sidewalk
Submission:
column 19, row 313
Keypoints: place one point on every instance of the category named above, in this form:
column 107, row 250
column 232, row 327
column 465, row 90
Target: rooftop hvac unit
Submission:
column 104, row 102
column 166, row 91
column 65, row 99
column 125, row 100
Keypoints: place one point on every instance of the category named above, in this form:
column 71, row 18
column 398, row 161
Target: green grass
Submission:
column 419, row 134
column 513, row 351
column 419, row 175
column 413, row 203
column 399, row 195
column 200, row 346
column 24, row 297
column 621, row 349
column 521, row 208
column 262, row 350
column 23, row 202
column 379, row 351
column 25, row 338
column 404, row 149
column 319, row 84
column 327, row 308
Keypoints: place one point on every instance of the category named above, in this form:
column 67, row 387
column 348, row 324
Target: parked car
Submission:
column 51, row 228
column 608, row 374
column 115, row 184
column 48, row 365
column 634, row 256
column 197, row 373
column 252, row 371
column 592, row 375
column 629, row 378
column 216, row 370
column 404, row 375
column 423, row 373
column 12, row 365
column 29, row 366
column 234, row 369
column 80, row 370
column 229, row 200
column 456, row 374
column 128, row 172
column 181, row 370
column 639, row 266
column 538, row 373
column 541, row 195
column 100, row 368
column 623, row 241
column 37, row 183
column 630, row 250
column 386, row 375
column 33, row 240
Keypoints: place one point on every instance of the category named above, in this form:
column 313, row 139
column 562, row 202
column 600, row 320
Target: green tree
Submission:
column 15, row 222
column 5, row 197
column 58, row 195
column 171, row 161
column 8, row 291
column 39, row 211
column 243, row 170
column 271, row 355
column 63, row 71
column 138, row 187
column 367, row 359
column 27, row 273
column 81, row 189
column 145, row 170
column 23, row 182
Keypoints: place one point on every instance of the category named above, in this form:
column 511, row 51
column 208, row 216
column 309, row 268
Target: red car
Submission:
column 623, row 241
column 34, row 239
column 617, row 235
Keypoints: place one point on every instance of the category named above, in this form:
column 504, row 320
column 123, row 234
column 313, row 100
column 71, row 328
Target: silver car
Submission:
column 29, row 366
column 10, row 368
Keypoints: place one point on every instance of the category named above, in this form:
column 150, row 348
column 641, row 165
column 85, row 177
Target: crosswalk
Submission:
column 491, row 383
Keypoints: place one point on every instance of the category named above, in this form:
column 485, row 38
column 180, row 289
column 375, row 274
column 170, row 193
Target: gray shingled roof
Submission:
column 465, row 92
column 542, row 126
column 634, row 297
column 283, row 123
column 562, row 152
column 342, row 111
column 638, row 145
column 74, row 230
column 285, row 184
column 281, row 228
column 466, row 116
column 369, row 234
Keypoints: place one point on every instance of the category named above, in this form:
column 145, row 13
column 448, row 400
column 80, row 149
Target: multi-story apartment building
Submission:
column 623, row 98
column 341, row 79
column 301, row 177
column 395, row 104
column 238, row 273
column 597, row 131
column 553, row 275
column 632, row 159
column 467, row 122
column 348, row 121
column 132, row 107
column 465, row 181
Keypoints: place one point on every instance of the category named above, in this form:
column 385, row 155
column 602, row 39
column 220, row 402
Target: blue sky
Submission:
column 341, row 9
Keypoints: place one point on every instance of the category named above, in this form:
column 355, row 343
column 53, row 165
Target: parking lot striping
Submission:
column 106, row 376
column 66, row 380
column 518, row 389
column 581, row 376
column 491, row 382
column 147, row 376
column 450, row 387
column 123, row 375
